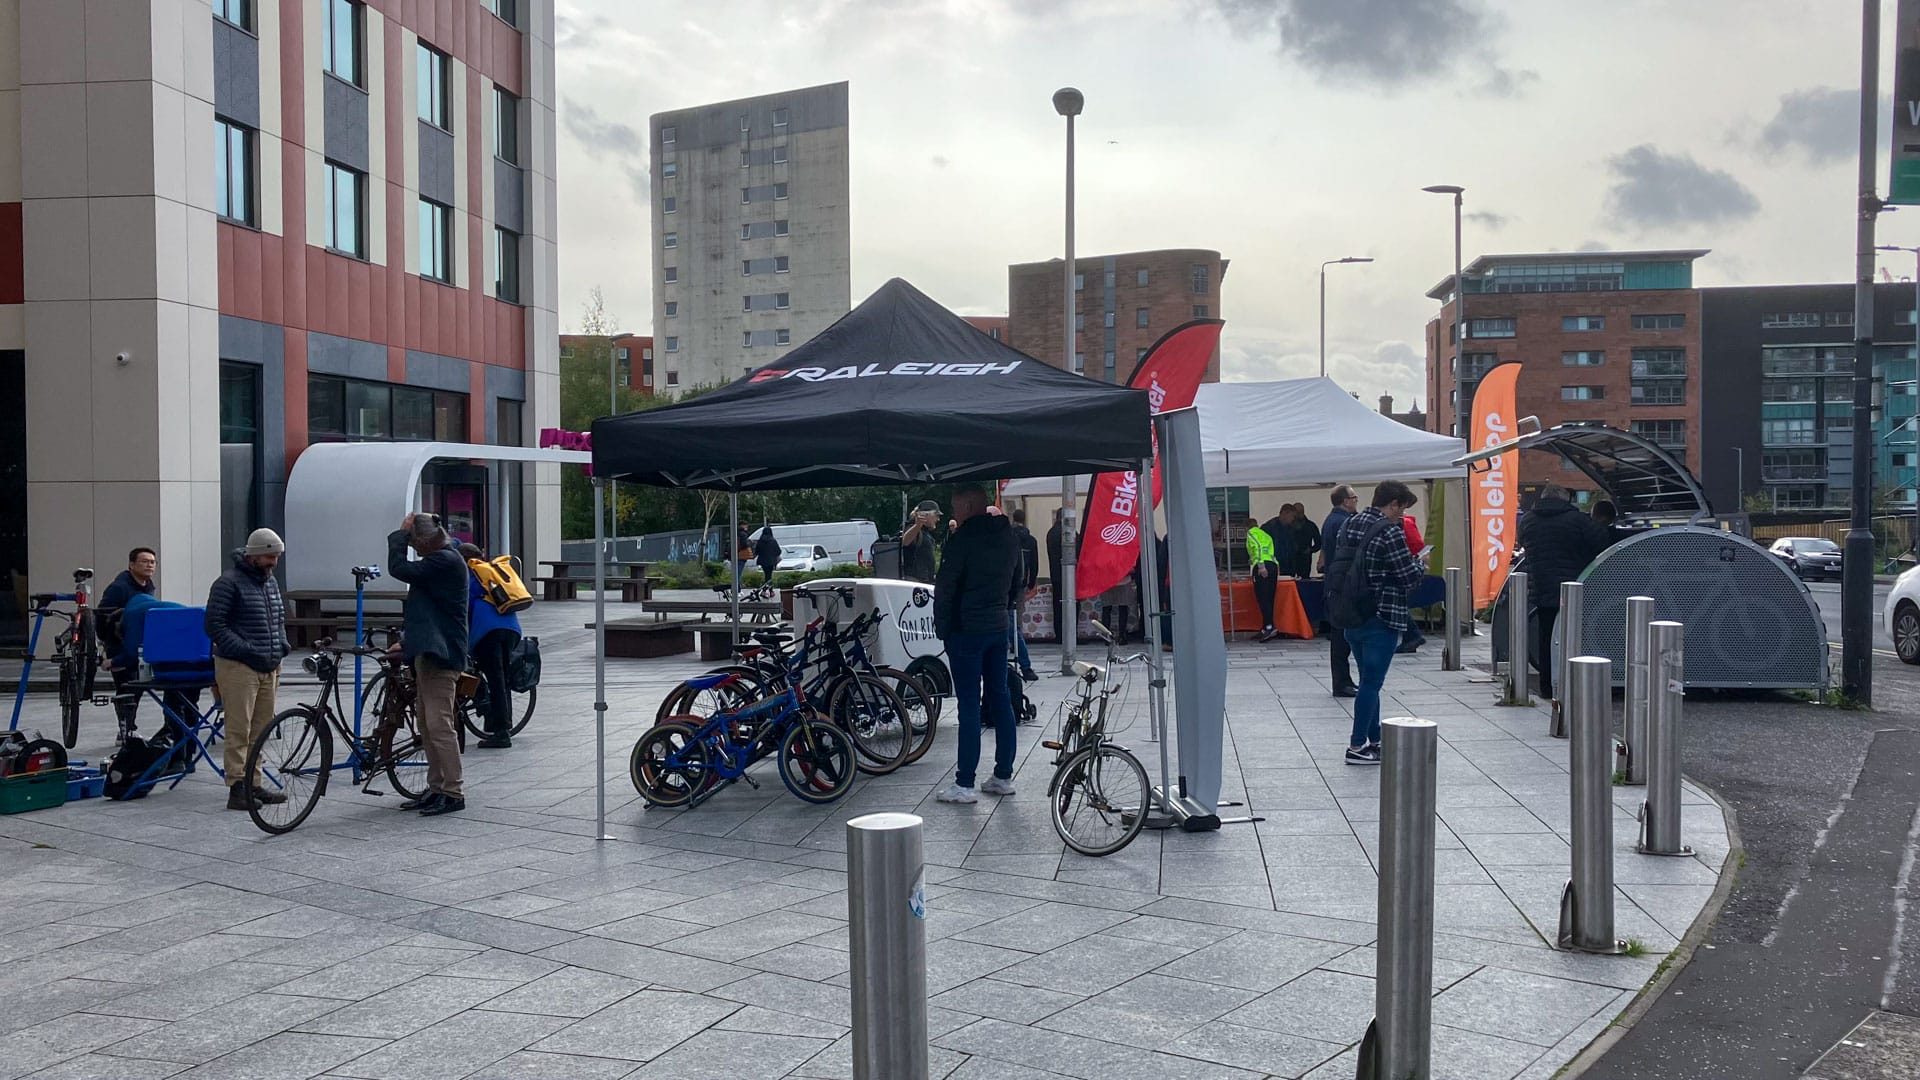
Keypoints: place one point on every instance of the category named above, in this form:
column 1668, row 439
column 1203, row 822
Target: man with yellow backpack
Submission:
column 1266, row 575
column 495, row 594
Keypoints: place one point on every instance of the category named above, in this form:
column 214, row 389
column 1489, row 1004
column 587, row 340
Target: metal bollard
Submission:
column 887, row 934
column 1573, row 599
column 1399, row 1041
column 1517, row 596
column 1450, row 653
column 1633, row 727
column 1660, row 814
column 1586, row 906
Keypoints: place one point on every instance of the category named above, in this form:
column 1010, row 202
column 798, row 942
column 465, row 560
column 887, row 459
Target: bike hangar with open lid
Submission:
column 899, row 390
column 1751, row 622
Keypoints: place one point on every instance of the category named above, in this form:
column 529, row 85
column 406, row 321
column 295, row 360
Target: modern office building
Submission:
column 751, row 231
column 1123, row 304
column 1777, row 388
column 1610, row 337
column 230, row 231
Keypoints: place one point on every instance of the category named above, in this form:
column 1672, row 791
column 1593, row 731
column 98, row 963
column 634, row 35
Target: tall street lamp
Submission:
column 1068, row 102
column 1914, row 540
column 1323, row 304
column 1463, row 519
column 1856, row 567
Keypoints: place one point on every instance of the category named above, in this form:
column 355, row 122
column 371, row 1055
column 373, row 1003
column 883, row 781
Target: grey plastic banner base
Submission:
column 1557, row 723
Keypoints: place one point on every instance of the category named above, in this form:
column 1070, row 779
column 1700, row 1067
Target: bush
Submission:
column 693, row 575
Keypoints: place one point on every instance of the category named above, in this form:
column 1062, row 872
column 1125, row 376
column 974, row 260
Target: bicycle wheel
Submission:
column 472, row 712
column 868, row 710
column 291, row 756
column 70, row 699
column 88, row 633
column 923, row 710
column 816, row 761
column 683, row 700
column 1098, row 800
column 669, row 764
column 401, row 753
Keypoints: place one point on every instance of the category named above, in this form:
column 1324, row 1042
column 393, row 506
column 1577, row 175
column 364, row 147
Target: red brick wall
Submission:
column 1035, row 323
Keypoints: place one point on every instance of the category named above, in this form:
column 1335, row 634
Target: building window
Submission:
column 1079, row 282
column 746, row 339
column 1109, row 279
column 1839, row 318
column 779, row 118
column 237, row 12
column 746, row 158
column 1583, row 322
column 1141, row 317
column 1079, row 320
column 506, row 126
column 1490, row 328
column 341, row 409
column 673, row 309
column 1582, row 393
column 746, row 195
column 1789, row 432
column 672, row 240
column 779, row 264
column 1140, row 279
column 342, row 47
column 1659, row 363
column 745, row 123
column 1659, row 322
column 430, row 67
column 667, row 135
column 506, row 264
column 1774, row 320
column 669, row 170
column 779, row 191
column 1586, row 358
column 1139, row 355
column 1666, row 434
column 673, row 377
column 1109, row 320
column 671, row 275
column 1199, row 311
column 746, row 232
column 505, row 10
column 669, row 205
column 1659, row 391
column 1080, row 363
column 436, row 241
column 1200, row 276
column 1795, row 497
column 233, row 172
column 781, row 301
column 346, row 211
column 673, row 345
column 782, row 336
column 780, row 227
column 780, row 154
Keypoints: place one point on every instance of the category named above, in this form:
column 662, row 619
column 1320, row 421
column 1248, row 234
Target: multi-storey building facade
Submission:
column 1610, row 337
column 751, row 231
column 628, row 356
column 994, row 326
column 230, row 231
column 1122, row 305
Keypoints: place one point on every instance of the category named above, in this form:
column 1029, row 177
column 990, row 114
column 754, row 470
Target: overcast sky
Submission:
column 1281, row 132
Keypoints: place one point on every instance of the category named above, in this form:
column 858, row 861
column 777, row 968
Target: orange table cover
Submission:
column 1289, row 615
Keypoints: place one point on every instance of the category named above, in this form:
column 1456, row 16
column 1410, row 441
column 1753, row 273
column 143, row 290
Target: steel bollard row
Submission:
column 1633, row 727
column 1456, row 588
column 1572, row 613
column 1399, row 1041
column 887, row 939
column 1515, row 692
column 1660, row 814
column 1586, row 906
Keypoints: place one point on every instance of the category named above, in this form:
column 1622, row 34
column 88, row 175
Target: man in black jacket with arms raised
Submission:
column 435, row 642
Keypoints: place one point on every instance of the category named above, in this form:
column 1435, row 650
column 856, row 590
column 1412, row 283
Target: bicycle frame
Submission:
column 729, row 758
column 40, row 615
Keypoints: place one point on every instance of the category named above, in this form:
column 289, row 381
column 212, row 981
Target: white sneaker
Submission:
column 957, row 794
column 993, row 785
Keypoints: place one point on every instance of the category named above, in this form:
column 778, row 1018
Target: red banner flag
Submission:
column 1495, row 493
column 1170, row 373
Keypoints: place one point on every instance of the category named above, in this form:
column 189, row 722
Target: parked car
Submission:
column 1809, row 556
column 1902, row 615
column 804, row 557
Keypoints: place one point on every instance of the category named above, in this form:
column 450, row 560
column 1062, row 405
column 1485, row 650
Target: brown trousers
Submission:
column 246, row 705
column 434, row 689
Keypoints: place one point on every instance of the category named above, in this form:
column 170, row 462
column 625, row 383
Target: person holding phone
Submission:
column 916, row 543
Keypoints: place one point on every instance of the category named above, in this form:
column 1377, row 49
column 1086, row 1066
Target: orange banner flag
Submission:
column 1494, row 493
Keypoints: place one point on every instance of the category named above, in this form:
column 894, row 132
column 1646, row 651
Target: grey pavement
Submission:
column 168, row 937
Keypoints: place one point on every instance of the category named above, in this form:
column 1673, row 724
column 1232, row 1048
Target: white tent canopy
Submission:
column 1299, row 433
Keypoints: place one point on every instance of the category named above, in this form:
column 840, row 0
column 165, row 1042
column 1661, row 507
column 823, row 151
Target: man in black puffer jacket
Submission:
column 247, row 624
column 981, row 579
column 1559, row 541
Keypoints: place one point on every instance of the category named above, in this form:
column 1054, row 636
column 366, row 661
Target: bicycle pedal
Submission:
column 1051, row 744
column 102, row 699
column 751, row 782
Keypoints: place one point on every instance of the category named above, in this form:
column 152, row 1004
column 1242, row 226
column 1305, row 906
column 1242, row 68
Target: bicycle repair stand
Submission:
column 26, row 668
column 361, row 575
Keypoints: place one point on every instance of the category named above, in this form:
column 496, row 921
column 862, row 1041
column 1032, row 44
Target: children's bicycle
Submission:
column 1099, row 795
column 684, row 760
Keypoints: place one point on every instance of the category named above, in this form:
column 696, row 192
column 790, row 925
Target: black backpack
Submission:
column 1350, row 599
column 523, row 665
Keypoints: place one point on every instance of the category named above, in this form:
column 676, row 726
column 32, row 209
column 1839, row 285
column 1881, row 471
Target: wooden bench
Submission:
column 632, row 590
column 716, row 638
column 639, row 639
column 559, row 588
column 759, row 611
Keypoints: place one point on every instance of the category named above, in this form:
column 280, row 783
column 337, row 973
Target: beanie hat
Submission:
column 928, row 504
column 265, row 542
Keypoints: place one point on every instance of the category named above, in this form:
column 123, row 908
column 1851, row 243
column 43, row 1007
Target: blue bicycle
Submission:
column 684, row 760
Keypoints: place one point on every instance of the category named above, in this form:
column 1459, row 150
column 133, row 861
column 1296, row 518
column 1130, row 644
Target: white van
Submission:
column 844, row 541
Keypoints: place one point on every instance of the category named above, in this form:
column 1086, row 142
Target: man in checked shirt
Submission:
column 1391, row 574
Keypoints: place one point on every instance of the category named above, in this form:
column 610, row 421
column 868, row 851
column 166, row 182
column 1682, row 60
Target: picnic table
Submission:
column 569, row 574
column 758, row 610
column 309, row 619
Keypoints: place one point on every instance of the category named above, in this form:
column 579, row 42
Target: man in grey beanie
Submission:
column 247, row 624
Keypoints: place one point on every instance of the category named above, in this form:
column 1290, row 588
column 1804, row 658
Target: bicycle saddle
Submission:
column 1089, row 672
column 708, row 682
column 772, row 637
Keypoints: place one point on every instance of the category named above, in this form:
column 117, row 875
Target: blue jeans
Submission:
column 1017, row 640
column 977, row 660
column 1373, row 643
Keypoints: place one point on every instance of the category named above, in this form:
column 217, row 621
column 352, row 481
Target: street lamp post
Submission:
column 1068, row 102
column 1914, row 540
column 1323, row 305
column 1856, row 580
column 1463, row 516
column 613, row 409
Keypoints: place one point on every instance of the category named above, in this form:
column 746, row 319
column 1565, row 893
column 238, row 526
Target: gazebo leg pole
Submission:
column 733, row 536
column 600, row 659
column 1166, row 813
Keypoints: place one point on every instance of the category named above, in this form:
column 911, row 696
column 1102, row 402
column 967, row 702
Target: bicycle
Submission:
column 1099, row 793
column 293, row 755
column 683, row 761
column 76, row 655
column 472, row 709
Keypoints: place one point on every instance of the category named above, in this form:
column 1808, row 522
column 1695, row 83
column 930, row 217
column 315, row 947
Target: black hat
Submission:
column 928, row 504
